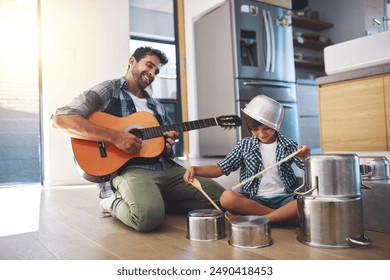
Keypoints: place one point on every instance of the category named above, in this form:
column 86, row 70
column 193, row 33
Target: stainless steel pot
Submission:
column 374, row 168
column 331, row 222
column 331, row 175
column 250, row 231
column 265, row 110
column 205, row 225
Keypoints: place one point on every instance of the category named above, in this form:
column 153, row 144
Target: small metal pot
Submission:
column 250, row 232
column 205, row 225
column 374, row 168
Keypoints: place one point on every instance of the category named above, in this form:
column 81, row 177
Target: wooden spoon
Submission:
column 198, row 186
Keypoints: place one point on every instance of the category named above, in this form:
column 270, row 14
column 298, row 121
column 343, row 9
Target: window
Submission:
column 152, row 24
column 19, row 94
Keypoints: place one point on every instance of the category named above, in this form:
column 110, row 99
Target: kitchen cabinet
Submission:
column 355, row 114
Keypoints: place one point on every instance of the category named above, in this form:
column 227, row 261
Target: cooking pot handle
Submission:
column 365, row 186
column 303, row 185
column 369, row 173
column 362, row 240
column 304, row 193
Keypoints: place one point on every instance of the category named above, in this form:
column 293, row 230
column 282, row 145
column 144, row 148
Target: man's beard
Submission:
column 139, row 80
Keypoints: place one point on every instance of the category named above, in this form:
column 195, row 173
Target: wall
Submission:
column 83, row 43
column 347, row 17
column 374, row 9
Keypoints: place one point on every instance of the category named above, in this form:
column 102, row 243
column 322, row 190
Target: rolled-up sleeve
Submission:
column 89, row 101
column 232, row 161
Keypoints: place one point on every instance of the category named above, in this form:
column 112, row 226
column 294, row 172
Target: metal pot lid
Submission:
column 248, row 221
column 372, row 158
column 205, row 213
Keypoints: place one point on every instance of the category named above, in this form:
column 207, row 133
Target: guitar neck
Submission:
column 158, row 131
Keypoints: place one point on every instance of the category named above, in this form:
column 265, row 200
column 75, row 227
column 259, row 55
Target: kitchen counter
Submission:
column 355, row 74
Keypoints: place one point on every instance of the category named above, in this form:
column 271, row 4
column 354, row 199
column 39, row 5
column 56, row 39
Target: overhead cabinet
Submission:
column 355, row 114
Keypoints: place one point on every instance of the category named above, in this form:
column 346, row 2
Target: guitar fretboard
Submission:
column 157, row 131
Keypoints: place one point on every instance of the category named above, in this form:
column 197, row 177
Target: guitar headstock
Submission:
column 229, row 121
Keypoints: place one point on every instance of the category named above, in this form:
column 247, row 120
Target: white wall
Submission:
column 84, row 42
column 192, row 9
column 351, row 18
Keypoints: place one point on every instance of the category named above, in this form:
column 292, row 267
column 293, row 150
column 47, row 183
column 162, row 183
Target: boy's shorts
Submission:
column 274, row 202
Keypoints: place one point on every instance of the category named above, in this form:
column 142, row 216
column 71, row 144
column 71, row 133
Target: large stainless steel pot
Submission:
column 374, row 168
column 249, row 231
column 331, row 222
column 331, row 175
column 205, row 225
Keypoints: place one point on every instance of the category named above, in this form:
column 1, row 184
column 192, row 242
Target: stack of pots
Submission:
column 330, row 202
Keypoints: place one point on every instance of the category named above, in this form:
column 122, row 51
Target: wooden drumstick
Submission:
column 198, row 186
column 265, row 170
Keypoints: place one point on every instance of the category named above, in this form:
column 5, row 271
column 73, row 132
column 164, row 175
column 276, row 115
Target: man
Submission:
column 144, row 188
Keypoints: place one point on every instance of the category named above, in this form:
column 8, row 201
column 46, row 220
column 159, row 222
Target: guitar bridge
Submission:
column 102, row 149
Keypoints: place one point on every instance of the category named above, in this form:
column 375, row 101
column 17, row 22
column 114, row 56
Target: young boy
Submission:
column 272, row 194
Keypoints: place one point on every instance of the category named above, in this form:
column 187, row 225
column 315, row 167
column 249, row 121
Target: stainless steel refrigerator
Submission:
column 243, row 48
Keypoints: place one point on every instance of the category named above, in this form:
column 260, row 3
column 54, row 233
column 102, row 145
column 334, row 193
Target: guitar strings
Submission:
column 157, row 131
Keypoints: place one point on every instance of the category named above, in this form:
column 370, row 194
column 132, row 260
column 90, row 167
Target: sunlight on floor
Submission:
column 19, row 209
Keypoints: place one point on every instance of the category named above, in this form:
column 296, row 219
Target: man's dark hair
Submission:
column 141, row 52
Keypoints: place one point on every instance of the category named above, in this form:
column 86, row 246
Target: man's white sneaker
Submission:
column 106, row 204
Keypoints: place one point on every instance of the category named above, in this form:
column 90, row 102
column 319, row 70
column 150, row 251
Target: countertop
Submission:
column 355, row 74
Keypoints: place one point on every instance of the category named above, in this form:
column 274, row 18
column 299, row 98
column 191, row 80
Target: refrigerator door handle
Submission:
column 272, row 43
column 268, row 84
column 268, row 42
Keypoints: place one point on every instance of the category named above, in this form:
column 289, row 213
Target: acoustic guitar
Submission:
column 97, row 161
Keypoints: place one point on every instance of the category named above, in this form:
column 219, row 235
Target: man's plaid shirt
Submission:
column 112, row 97
column 246, row 156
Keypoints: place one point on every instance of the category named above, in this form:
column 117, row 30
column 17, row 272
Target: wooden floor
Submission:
column 71, row 228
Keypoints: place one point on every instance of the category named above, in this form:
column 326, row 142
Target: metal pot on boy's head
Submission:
column 265, row 110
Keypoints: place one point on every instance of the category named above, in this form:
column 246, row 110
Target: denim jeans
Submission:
column 274, row 202
column 146, row 195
